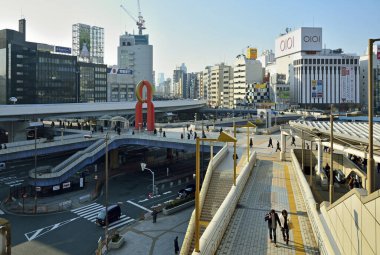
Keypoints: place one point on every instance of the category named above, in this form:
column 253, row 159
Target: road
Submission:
column 75, row 231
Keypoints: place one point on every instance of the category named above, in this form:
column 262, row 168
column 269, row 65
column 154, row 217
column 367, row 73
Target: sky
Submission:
column 197, row 32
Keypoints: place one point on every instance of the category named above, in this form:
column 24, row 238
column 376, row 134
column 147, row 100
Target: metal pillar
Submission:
column 331, row 182
column 303, row 148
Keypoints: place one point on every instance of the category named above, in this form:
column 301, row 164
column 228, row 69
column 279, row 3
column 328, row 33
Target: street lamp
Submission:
column 370, row 170
column 248, row 125
column 223, row 137
column 35, row 125
column 143, row 167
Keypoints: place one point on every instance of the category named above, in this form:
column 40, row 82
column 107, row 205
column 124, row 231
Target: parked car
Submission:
column 114, row 213
column 188, row 191
column 88, row 136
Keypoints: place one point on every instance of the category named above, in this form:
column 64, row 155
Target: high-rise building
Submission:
column 88, row 43
column 135, row 54
column 92, row 82
column 221, row 74
column 267, row 57
column 246, row 71
column 376, row 81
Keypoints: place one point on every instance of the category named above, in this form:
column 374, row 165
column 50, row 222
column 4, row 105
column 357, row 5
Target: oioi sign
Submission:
column 303, row 39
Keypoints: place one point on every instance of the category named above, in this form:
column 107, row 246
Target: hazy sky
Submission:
column 198, row 32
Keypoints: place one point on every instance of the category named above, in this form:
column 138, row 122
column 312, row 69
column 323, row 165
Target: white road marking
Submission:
column 121, row 224
column 167, row 192
column 140, row 201
column 39, row 232
column 1, row 212
column 84, row 207
column 139, row 206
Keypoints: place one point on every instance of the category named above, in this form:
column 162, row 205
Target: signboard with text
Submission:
column 316, row 88
column 303, row 39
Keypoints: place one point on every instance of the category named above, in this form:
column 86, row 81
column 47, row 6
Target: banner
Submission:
column 347, row 85
column 316, row 88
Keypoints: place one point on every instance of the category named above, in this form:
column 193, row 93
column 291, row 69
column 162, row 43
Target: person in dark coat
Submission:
column 250, row 142
column 278, row 146
column 284, row 219
column 176, row 247
column 270, row 143
column 164, row 134
column 293, row 141
column 181, row 136
column 154, row 215
column 273, row 219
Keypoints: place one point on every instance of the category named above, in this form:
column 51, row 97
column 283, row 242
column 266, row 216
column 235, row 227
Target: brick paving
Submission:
column 267, row 188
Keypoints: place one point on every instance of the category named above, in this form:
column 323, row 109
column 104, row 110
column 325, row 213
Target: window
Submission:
column 322, row 61
column 318, row 61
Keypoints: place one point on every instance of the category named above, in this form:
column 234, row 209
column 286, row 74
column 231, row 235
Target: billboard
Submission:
column 261, row 86
column 251, row 53
column 115, row 70
column 303, row 39
column 316, row 88
column 64, row 50
column 347, row 85
column 84, row 42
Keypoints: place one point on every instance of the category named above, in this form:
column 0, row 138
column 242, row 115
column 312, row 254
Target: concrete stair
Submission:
column 220, row 184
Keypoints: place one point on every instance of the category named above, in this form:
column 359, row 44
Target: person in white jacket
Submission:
column 285, row 220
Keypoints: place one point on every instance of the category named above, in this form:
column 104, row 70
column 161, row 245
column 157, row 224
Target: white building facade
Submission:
column 134, row 53
column 246, row 71
column 88, row 43
column 315, row 75
column 120, row 85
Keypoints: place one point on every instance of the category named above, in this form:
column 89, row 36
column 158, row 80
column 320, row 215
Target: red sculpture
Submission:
column 150, row 106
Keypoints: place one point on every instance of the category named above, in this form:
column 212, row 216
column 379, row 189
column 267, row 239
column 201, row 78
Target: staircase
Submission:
column 220, row 184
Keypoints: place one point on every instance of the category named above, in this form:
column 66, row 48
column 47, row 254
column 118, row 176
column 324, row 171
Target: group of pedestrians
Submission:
column 3, row 146
column 270, row 144
column 283, row 221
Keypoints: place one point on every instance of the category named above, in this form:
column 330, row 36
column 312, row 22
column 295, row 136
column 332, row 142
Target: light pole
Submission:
column 248, row 125
column 106, row 170
column 143, row 167
column 370, row 170
column 223, row 137
column 331, row 181
column 35, row 169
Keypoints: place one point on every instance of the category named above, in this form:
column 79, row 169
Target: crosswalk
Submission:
column 11, row 181
column 89, row 212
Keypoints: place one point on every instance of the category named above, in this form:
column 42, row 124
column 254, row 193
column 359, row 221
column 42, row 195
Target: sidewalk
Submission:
column 157, row 238
column 271, row 185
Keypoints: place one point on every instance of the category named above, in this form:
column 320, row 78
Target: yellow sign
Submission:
column 251, row 53
column 261, row 86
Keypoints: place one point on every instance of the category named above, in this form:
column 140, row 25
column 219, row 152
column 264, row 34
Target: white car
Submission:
column 88, row 136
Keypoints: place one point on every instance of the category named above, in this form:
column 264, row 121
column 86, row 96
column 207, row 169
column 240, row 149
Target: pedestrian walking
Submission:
column 278, row 146
column 273, row 219
column 195, row 135
column 270, row 143
column 285, row 222
column 133, row 132
column 221, row 130
column 188, row 136
column 181, row 136
column 154, row 215
column 164, row 134
column 250, row 142
column 307, row 146
column 235, row 155
column 176, row 247
column 203, row 134
column 293, row 141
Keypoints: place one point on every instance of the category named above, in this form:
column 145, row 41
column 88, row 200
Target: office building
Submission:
column 92, row 82
column 88, row 43
column 220, row 76
column 245, row 71
column 120, row 86
column 135, row 54
column 376, row 81
column 315, row 75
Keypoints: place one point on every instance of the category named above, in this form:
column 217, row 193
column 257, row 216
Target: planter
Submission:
column 116, row 245
column 178, row 208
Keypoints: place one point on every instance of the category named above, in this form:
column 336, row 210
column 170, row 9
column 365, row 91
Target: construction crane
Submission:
column 140, row 22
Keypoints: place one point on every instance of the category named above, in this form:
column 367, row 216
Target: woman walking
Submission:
column 284, row 219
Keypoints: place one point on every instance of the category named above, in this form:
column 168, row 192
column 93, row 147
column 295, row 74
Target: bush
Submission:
column 116, row 237
column 178, row 202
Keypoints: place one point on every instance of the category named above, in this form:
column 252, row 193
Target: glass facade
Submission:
column 92, row 83
column 56, row 79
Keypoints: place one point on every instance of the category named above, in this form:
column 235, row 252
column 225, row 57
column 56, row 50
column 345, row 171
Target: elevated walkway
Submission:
column 96, row 150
